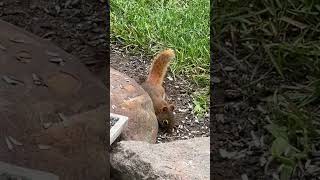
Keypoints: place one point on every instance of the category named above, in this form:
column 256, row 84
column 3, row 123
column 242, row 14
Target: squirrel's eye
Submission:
column 166, row 122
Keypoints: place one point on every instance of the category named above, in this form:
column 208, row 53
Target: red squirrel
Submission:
column 153, row 86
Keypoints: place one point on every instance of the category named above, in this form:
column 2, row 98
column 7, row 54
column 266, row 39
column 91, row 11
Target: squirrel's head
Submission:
column 166, row 117
column 167, row 108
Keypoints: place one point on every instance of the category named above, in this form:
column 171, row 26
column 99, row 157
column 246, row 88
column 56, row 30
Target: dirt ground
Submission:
column 240, row 142
column 179, row 90
column 78, row 27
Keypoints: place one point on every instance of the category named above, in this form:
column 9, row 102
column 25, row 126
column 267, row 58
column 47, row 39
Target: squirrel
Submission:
column 153, row 86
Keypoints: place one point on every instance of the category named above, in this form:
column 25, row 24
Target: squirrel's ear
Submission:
column 171, row 107
column 164, row 109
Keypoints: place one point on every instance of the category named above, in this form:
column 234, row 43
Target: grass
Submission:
column 284, row 35
column 154, row 25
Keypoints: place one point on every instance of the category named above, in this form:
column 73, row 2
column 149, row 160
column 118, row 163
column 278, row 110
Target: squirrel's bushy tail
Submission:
column 159, row 67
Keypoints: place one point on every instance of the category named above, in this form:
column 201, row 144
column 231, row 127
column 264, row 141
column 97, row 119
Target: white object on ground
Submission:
column 116, row 130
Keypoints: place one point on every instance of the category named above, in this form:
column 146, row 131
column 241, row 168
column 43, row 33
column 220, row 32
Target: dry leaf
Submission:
column 10, row 146
column 14, row 141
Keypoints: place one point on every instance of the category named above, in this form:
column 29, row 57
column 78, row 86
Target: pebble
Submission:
column 229, row 68
column 43, row 147
column 220, row 118
column 182, row 110
column 216, row 80
column 47, row 125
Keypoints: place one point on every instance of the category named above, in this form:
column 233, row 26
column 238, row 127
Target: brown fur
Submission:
column 153, row 86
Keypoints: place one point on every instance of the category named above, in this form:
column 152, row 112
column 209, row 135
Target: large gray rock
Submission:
column 185, row 159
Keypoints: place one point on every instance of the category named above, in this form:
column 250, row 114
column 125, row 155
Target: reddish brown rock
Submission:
column 128, row 98
column 36, row 92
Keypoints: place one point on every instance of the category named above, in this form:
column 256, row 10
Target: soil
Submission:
column 178, row 88
column 78, row 27
column 240, row 142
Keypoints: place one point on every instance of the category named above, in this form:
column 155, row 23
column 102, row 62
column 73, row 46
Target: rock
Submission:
column 6, row 169
column 129, row 99
column 76, row 144
column 184, row 159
